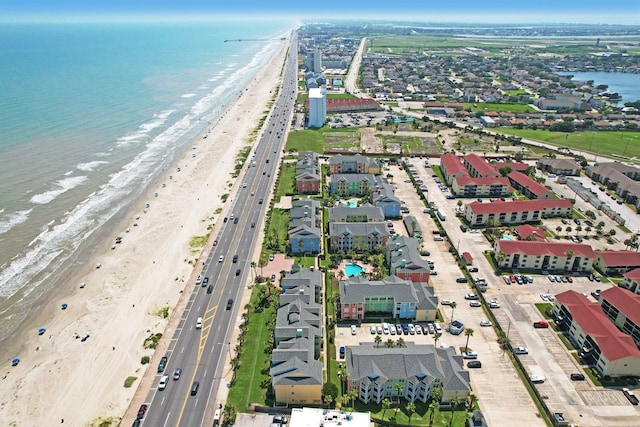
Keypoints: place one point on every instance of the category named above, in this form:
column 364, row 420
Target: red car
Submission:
column 142, row 411
column 512, row 278
column 215, row 242
column 540, row 324
column 569, row 279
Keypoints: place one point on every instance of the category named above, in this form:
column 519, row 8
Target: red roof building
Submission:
column 544, row 256
column 617, row 262
column 478, row 167
column 623, row 308
column 515, row 166
column 516, row 212
column 339, row 105
column 452, row 167
column 612, row 352
column 529, row 232
column 490, row 186
column 529, row 187
column 632, row 281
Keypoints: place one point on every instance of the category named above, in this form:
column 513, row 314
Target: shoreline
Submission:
column 60, row 377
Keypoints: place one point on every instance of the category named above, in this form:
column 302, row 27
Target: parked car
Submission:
column 445, row 302
column 162, row 364
column 461, row 280
column 471, row 296
column 540, row 324
column 142, row 411
column 576, row 377
column 506, row 279
column 485, row 323
column 354, row 330
column 372, row 329
column 474, row 364
column 537, row 379
column 520, row 350
column 342, row 352
column 475, row 304
column 472, row 269
column 469, row 355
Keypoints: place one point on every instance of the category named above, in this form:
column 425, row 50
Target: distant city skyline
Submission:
column 497, row 11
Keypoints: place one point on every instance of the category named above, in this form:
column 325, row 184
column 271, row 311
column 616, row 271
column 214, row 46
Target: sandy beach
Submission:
column 61, row 377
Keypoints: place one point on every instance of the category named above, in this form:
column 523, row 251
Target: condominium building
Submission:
column 616, row 262
column 374, row 372
column 516, row 212
column 601, row 343
column 544, row 256
column 529, row 187
column 317, row 107
column 489, row 186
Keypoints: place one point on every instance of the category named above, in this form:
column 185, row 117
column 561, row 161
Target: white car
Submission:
column 221, row 258
column 485, row 323
column 537, row 378
column 520, row 350
column 469, row 355
column 475, row 304
column 445, row 302
column 353, row 330
column 412, row 329
column 379, row 329
column 372, row 329
column 163, row 382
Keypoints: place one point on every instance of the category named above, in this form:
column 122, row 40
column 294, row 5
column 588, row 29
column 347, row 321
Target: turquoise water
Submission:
column 90, row 115
column 351, row 270
column 506, row 237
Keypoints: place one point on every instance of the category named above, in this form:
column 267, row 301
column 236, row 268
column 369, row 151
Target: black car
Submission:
column 237, row 272
column 235, row 258
column 474, row 364
column 577, row 377
column 229, row 304
column 260, row 201
column 205, row 281
column 162, row 364
column 194, row 388
column 472, row 269
column 210, row 289
column 235, row 220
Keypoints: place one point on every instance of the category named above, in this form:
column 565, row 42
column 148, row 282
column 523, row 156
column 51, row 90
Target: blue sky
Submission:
column 499, row 11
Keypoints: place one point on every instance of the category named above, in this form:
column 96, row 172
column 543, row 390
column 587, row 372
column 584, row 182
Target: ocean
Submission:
column 90, row 114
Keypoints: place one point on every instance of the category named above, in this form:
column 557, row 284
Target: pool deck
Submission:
column 341, row 266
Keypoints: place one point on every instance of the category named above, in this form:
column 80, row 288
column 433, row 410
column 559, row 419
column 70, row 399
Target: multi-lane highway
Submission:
column 201, row 353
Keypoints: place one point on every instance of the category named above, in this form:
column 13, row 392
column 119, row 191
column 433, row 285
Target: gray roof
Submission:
column 559, row 163
column 358, row 158
column 357, row 288
column 368, row 362
column 356, row 177
column 342, row 213
column 384, row 193
column 403, row 249
column 605, row 169
column 297, row 372
column 378, row 229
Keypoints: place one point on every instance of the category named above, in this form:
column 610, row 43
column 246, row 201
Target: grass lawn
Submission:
column 621, row 143
column 498, row 108
column 276, row 237
column 305, row 261
column 341, row 95
column 250, row 375
column 305, row 140
column 419, row 418
column 287, row 181
column 545, row 309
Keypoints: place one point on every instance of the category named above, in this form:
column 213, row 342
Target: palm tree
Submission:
column 411, row 409
column 328, row 400
column 468, row 333
column 253, row 268
column 568, row 229
column 432, row 407
column 436, row 337
column 455, row 401
column 453, row 306
column 500, row 257
column 578, row 229
column 389, row 343
column 386, row 404
column 399, row 389
column 353, row 394
column 400, row 342
column 559, row 229
column 377, row 340
column 587, row 230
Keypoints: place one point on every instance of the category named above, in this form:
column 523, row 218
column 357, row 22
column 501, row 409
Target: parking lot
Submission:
column 497, row 384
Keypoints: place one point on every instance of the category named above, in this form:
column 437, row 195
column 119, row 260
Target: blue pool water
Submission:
column 351, row 270
column 506, row 237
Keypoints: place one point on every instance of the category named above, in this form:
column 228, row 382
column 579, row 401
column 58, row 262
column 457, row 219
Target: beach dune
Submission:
column 63, row 377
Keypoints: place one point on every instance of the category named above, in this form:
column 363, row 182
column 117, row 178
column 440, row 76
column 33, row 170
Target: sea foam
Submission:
column 89, row 166
column 11, row 219
column 62, row 186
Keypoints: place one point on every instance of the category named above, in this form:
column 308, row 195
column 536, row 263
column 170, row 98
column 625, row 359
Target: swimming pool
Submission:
column 352, row 203
column 506, row 237
column 351, row 270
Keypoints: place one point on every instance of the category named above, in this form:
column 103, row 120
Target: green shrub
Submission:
column 129, row 381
